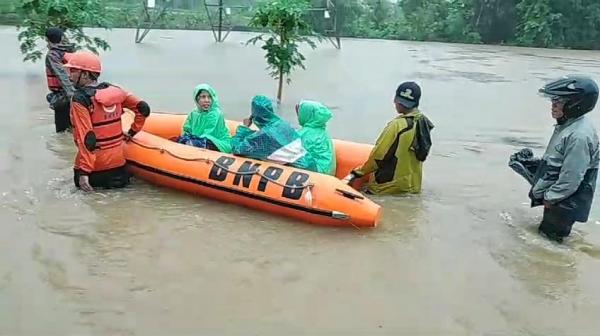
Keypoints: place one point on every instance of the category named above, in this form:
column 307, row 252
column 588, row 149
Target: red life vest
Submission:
column 53, row 81
column 106, row 113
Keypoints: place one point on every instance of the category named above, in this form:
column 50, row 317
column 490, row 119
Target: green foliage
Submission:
column 541, row 23
column 535, row 28
column 494, row 20
column 436, row 20
column 459, row 22
column 287, row 27
column 70, row 15
column 559, row 23
column 423, row 22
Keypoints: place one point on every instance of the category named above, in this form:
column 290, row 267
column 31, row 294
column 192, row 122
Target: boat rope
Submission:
column 306, row 185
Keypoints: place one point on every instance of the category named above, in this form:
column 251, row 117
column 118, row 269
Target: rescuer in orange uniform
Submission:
column 96, row 110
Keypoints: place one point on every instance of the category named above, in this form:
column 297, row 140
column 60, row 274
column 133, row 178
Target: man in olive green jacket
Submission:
column 396, row 161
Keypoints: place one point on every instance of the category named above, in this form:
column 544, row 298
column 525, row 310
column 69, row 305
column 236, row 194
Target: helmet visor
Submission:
column 552, row 97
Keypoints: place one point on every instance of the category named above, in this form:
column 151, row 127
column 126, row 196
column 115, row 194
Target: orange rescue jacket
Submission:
column 97, row 130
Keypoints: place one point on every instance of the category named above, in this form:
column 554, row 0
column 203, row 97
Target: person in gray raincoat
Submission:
column 59, row 84
column 565, row 177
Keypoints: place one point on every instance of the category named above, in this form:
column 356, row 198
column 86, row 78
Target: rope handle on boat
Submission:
column 205, row 160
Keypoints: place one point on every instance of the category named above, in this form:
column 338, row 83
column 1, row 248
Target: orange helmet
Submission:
column 84, row 60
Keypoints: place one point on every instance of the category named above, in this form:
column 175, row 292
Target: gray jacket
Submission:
column 567, row 174
column 54, row 64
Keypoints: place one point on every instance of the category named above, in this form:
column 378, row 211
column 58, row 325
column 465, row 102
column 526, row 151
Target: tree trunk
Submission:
column 280, row 91
column 282, row 42
column 481, row 7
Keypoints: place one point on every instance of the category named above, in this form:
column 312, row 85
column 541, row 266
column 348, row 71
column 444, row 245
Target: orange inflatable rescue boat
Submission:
column 283, row 190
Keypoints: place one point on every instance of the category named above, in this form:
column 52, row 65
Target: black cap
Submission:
column 54, row 34
column 408, row 95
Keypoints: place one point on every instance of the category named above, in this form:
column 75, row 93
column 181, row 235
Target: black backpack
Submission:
column 422, row 141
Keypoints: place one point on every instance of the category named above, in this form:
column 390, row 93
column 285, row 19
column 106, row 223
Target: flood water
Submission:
column 462, row 258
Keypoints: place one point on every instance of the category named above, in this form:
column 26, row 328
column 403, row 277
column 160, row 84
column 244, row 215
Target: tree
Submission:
column 425, row 19
column 69, row 15
column 578, row 25
column 495, row 20
column 287, row 28
column 377, row 18
column 537, row 18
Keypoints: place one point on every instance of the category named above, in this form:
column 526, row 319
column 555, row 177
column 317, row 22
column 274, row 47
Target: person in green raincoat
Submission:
column 313, row 117
column 397, row 159
column 276, row 140
column 205, row 126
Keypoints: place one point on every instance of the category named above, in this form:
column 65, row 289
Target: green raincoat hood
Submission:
column 262, row 111
column 213, row 95
column 313, row 114
column 313, row 117
column 208, row 124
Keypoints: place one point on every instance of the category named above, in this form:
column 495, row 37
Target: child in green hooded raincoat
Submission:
column 276, row 140
column 313, row 117
column 205, row 126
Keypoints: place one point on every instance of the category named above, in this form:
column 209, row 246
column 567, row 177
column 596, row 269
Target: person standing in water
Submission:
column 565, row 180
column 397, row 159
column 96, row 111
column 57, row 77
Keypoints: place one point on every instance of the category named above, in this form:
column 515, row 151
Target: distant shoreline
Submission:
column 243, row 30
